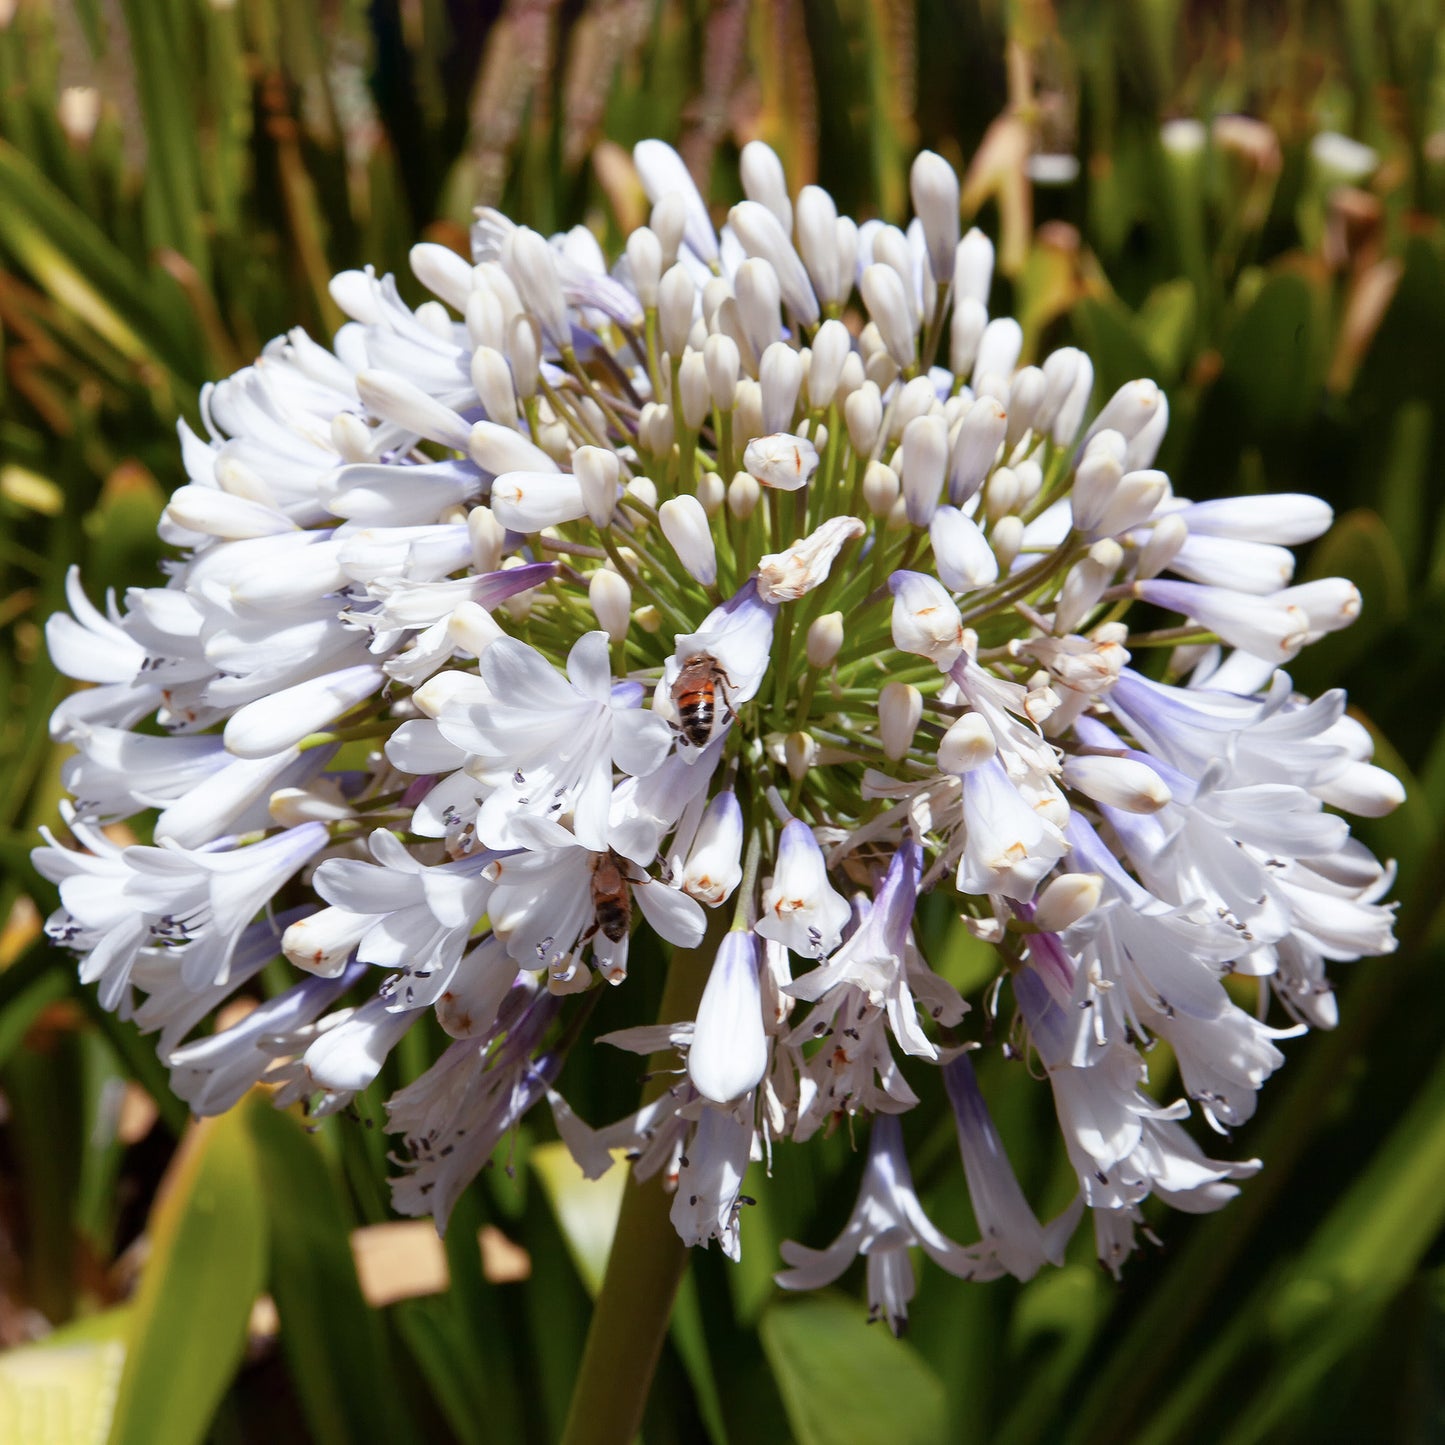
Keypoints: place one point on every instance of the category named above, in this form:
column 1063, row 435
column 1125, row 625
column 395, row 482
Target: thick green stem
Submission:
column 647, row 1261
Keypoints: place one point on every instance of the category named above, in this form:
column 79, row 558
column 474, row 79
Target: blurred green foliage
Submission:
column 177, row 182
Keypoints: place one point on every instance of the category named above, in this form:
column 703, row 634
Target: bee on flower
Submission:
column 741, row 594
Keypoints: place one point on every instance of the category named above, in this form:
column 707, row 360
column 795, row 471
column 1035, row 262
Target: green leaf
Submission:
column 205, row 1268
column 843, row 1380
column 332, row 1338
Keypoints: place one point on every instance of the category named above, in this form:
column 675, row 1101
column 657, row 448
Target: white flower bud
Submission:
column 1095, row 479
column 900, row 706
column 714, row 292
column 915, row 399
column 1001, row 495
column 714, row 862
column 1272, row 628
column 1284, row 518
column 780, row 374
column 442, row 272
column 1067, row 899
column 644, row 260
column 530, row 263
column 888, row 306
column 1329, row 603
column 763, row 236
column 1144, row 445
column 720, row 356
column 973, row 268
column 648, row 618
column 846, row 230
column 676, row 296
column 403, row 403
column 611, row 600
column 1341, row 159
column 685, row 525
column 729, row 1053
column 925, row 458
column 1060, row 369
column 693, row 392
column 817, row 231
column 880, row 488
column 711, row 492
column 825, row 639
column 962, row 556
column 668, row 222
column 743, row 495
column 1166, row 538
column 1024, row 397
column 1135, row 500
column 934, row 187
column 926, row 621
column 980, row 433
column 529, row 501
column 281, row 719
column 998, row 354
column 1071, row 411
column 597, row 471
column 968, row 744
column 832, row 346
column 850, row 379
column 764, row 182
column 965, row 332
column 471, row 629
column 800, row 752
column 747, row 412
column 322, row 942
column 524, row 352
column 655, row 428
column 782, row 461
column 1085, row 583
column 1362, row 788
column 880, row 368
column 1006, row 538
column 1123, row 783
column 759, row 303
column 502, row 448
column 863, row 413
column 492, row 378
column 322, row 802
column 1128, row 410
column 351, row 437
column 1030, row 476
column 488, row 535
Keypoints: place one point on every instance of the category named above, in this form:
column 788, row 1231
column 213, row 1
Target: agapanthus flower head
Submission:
column 746, row 594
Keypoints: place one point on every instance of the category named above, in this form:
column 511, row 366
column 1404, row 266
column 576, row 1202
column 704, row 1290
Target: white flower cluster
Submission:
column 701, row 584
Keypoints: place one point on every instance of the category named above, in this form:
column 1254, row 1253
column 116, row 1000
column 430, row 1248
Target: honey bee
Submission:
column 611, row 898
column 695, row 696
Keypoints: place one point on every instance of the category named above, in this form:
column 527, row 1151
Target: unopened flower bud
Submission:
column 1085, row 584
column 1123, row 783
column 685, row 525
column 1067, row 899
column 926, row 621
column 714, row 862
column 1001, row 495
column 676, row 296
column 644, row 489
column 962, row 556
column 492, row 378
column 720, row 356
column 351, row 437
column 1006, row 537
column 880, row 488
column 1145, row 443
column 729, row 1052
column 1098, row 474
column 524, row 352
column 980, row 434
column 472, row 629
column 998, row 354
column 925, row 458
column 655, row 429
column 800, row 752
column 817, row 232
column 759, row 302
column 887, row 304
column 1128, row 410
column 968, row 744
column 711, row 493
column 850, row 378
column 322, row 943
column 1025, row 395
column 747, row 412
column 783, row 461
column 761, row 173
column 973, row 268
column 913, row 400
column 762, row 235
column 644, row 260
column 393, row 398
column 825, row 639
column 487, row 535
column 1166, row 537
column 668, row 222
column 832, row 346
column 933, row 184
column 694, row 395
column 648, row 618
column 780, row 374
column 900, row 706
column 965, row 332
column 530, row 263
column 611, row 600
column 1135, row 500
column 597, row 472
column 863, row 413
column 743, row 495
